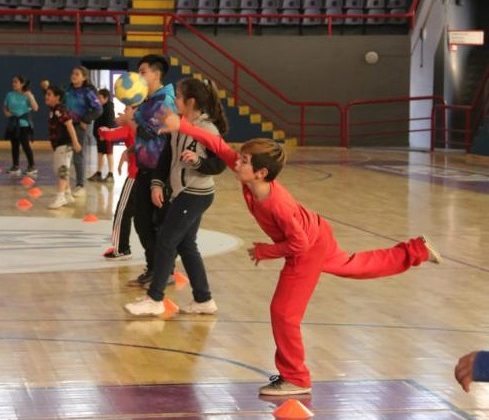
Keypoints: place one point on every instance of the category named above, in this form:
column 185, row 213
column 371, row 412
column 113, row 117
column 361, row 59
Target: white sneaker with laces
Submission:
column 204, row 308
column 79, row 191
column 434, row 256
column 14, row 170
column 145, row 306
column 69, row 197
column 58, row 202
column 31, row 171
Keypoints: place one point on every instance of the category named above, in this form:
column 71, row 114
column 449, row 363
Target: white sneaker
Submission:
column 58, row 202
column 31, row 171
column 14, row 170
column 434, row 256
column 69, row 197
column 79, row 191
column 145, row 306
column 205, row 308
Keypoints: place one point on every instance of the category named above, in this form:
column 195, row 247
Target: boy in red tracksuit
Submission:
column 306, row 242
column 121, row 228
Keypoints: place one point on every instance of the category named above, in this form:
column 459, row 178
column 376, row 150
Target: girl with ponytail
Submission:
column 185, row 170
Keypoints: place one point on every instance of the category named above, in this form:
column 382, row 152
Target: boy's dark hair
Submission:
column 57, row 91
column 265, row 153
column 104, row 92
column 156, row 62
column 206, row 97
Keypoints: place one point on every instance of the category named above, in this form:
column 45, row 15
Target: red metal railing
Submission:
column 452, row 134
column 348, row 124
column 232, row 82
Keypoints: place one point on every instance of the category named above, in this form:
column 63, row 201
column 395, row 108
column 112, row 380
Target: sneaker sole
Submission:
column 57, row 208
column 183, row 311
column 437, row 258
column 144, row 314
column 122, row 258
column 278, row 393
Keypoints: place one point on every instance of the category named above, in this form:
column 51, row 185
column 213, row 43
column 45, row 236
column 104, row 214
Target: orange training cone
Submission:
column 108, row 251
column 181, row 280
column 171, row 308
column 23, row 204
column 293, row 409
column 90, row 218
column 35, row 192
column 27, row 182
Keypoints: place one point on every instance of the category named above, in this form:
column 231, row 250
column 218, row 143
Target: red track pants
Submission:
column 300, row 276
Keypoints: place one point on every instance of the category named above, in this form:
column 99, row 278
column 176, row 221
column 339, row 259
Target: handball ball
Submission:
column 131, row 89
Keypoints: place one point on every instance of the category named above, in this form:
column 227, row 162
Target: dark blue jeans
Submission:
column 78, row 158
column 177, row 235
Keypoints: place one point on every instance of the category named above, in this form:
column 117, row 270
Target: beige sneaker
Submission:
column 145, row 306
column 69, row 197
column 204, row 308
column 58, row 202
column 79, row 191
column 279, row 386
column 434, row 255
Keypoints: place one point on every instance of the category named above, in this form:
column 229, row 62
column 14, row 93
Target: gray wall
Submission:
column 316, row 67
column 313, row 68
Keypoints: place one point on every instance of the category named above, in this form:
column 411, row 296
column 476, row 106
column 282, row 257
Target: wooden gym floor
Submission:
column 381, row 349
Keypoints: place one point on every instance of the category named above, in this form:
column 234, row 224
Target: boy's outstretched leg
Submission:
column 379, row 262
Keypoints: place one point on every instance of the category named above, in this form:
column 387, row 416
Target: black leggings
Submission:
column 178, row 235
column 22, row 139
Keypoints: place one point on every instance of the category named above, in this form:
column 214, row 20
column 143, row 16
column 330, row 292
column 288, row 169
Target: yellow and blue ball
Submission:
column 131, row 89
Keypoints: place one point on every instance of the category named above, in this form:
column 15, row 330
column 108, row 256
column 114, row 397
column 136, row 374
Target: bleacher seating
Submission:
column 266, row 19
column 375, row 20
column 288, row 9
column 76, row 4
column 5, row 18
column 353, row 20
column 9, row 3
column 397, row 4
column 396, row 20
column 68, row 5
column 31, row 3
column 285, row 11
column 375, row 4
column 333, row 4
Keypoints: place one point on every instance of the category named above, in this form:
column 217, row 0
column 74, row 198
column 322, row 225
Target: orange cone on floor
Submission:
column 27, row 182
column 171, row 308
column 108, row 251
column 35, row 192
column 181, row 280
column 293, row 409
column 90, row 218
column 23, row 204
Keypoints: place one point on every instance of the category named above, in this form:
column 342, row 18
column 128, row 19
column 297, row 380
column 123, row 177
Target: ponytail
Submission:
column 215, row 108
column 207, row 100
